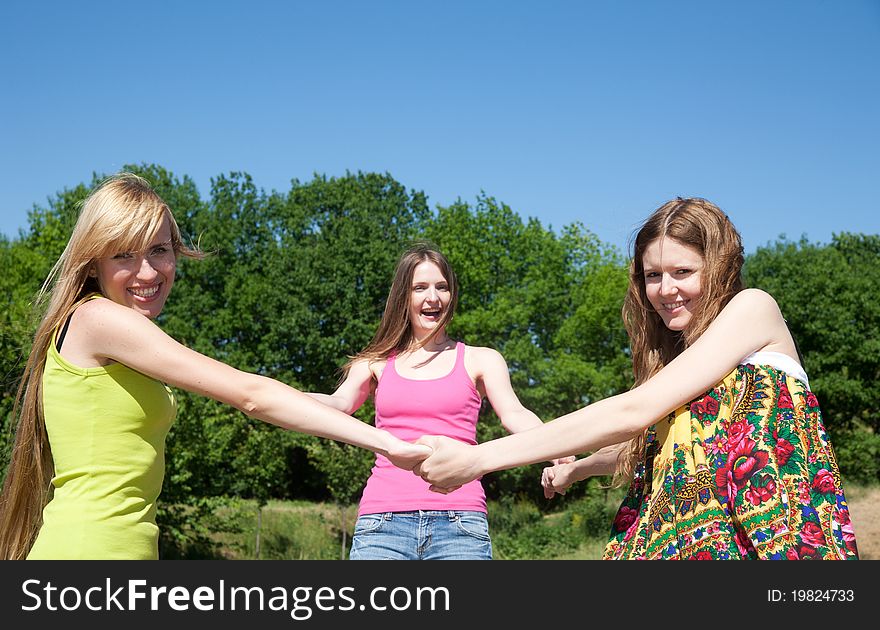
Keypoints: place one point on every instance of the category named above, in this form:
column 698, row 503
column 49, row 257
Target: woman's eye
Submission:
column 122, row 255
column 158, row 251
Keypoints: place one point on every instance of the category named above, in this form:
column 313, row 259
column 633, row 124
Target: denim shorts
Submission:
column 422, row 535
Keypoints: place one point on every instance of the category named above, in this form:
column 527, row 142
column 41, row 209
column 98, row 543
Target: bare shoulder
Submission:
column 750, row 322
column 483, row 353
column 755, row 301
column 104, row 312
column 364, row 369
column 484, row 359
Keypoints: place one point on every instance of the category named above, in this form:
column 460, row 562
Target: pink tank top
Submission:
column 410, row 408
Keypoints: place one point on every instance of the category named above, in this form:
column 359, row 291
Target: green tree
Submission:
column 828, row 296
column 26, row 261
column 827, row 293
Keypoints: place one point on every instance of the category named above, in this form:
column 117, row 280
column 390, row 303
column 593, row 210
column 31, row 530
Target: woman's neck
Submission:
column 438, row 342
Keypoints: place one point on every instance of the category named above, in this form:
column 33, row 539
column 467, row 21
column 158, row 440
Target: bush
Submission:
column 520, row 531
column 858, row 455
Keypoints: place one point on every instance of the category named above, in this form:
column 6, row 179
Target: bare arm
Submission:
column 495, row 380
column 558, row 478
column 352, row 392
column 750, row 322
column 493, row 375
column 120, row 334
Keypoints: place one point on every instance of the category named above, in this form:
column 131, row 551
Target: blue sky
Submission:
column 567, row 111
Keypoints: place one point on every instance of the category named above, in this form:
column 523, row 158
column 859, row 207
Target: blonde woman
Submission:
column 721, row 439
column 93, row 409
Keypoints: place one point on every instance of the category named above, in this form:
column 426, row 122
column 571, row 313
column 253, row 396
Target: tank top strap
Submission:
column 460, row 368
column 61, row 329
column 389, row 371
column 459, row 356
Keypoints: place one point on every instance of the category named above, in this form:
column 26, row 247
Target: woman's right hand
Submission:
column 451, row 465
column 557, row 479
column 406, row 455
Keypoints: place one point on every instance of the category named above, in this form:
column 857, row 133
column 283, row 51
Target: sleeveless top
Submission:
column 744, row 471
column 107, row 428
column 408, row 409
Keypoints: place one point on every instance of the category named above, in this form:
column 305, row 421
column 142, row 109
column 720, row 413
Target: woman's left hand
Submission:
column 451, row 465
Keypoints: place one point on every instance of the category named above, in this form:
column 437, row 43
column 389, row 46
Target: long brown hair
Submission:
column 702, row 226
column 122, row 214
column 395, row 334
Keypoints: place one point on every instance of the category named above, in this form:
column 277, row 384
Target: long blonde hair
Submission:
column 701, row 225
column 122, row 214
column 395, row 334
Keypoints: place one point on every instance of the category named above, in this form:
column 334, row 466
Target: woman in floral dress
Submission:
column 721, row 440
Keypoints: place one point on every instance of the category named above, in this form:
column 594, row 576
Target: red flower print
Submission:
column 812, row 401
column 783, row 449
column 743, row 543
column 711, row 405
column 702, row 555
column 742, row 462
column 823, row 481
column 706, row 406
column 631, row 531
column 846, row 528
column 761, row 491
column 807, row 553
column 812, row 535
column 804, row 493
column 784, row 400
column 792, row 554
column 737, row 431
column 625, row 517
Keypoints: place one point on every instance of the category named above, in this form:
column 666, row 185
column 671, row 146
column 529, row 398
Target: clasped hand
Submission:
column 450, row 465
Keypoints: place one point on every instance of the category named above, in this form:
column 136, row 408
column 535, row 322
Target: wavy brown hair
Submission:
column 122, row 214
column 702, row 226
column 394, row 334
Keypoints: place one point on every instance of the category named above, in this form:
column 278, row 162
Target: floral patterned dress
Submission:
column 744, row 472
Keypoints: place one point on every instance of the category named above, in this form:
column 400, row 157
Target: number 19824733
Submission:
column 811, row 595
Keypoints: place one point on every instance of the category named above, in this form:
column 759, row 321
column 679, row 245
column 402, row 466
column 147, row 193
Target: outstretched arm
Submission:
column 750, row 322
column 494, row 378
column 557, row 479
column 120, row 334
column 352, row 392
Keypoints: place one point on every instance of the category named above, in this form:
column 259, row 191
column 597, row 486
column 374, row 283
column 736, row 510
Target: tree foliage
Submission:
column 828, row 295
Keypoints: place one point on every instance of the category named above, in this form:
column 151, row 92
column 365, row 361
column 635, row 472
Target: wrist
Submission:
column 386, row 442
column 486, row 459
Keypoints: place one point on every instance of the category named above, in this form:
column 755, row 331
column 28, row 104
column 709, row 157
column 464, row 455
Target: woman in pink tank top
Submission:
column 424, row 383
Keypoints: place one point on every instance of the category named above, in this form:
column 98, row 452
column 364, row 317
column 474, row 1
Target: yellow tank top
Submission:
column 107, row 429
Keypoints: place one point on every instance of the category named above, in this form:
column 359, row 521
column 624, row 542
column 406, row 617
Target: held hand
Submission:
column 451, row 465
column 405, row 455
column 557, row 479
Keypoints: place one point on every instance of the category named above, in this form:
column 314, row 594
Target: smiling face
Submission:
column 429, row 299
column 673, row 281
column 141, row 280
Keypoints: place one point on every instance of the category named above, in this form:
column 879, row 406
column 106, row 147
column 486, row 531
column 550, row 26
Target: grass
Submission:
column 302, row 530
column 578, row 530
